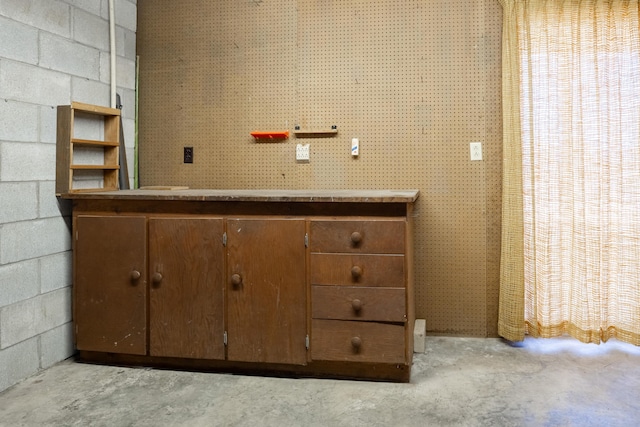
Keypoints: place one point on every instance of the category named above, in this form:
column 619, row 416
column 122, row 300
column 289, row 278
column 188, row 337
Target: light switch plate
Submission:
column 475, row 150
column 302, row 152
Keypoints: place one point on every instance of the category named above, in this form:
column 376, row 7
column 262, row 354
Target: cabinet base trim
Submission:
column 316, row 369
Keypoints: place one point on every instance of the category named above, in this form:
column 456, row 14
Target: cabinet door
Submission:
column 266, row 290
column 186, row 317
column 110, row 283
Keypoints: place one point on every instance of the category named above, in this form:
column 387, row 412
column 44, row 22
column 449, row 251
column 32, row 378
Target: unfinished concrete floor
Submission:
column 458, row 381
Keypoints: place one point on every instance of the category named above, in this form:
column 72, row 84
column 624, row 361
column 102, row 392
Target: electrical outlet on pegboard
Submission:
column 188, row 154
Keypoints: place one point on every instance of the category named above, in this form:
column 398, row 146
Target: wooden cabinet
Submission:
column 205, row 279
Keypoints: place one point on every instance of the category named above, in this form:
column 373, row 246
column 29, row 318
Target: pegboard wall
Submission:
column 416, row 81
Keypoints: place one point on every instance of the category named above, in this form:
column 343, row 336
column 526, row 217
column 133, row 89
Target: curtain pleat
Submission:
column 511, row 304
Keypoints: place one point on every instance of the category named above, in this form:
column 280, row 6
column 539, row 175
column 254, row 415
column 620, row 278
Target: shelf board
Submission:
column 95, row 167
column 95, row 109
column 315, row 132
column 95, row 143
column 91, row 190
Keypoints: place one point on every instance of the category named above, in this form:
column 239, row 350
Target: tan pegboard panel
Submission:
column 415, row 81
column 210, row 73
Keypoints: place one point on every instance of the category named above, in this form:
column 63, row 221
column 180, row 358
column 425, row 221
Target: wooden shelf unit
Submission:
column 66, row 142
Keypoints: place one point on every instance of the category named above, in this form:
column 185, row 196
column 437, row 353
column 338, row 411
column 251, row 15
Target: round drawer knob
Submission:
column 157, row 277
column 356, row 237
column 135, row 275
column 356, row 271
column 356, row 343
column 236, row 280
column 356, row 304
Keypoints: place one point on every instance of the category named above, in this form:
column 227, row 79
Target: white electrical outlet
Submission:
column 475, row 149
column 302, row 152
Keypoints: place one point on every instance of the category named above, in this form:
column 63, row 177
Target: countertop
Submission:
column 332, row 196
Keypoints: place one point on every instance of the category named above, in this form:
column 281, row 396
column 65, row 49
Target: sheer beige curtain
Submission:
column 571, row 184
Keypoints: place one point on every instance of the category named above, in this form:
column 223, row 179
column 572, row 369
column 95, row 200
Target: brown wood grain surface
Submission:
column 375, row 236
column 358, row 303
column 372, row 270
column 186, row 316
column 380, row 342
column 109, row 304
column 267, row 309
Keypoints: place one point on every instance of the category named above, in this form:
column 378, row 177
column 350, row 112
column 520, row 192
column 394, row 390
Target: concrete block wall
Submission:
column 52, row 52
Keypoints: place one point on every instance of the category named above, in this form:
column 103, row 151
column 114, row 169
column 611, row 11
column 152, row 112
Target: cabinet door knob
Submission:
column 157, row 277
column 356, row 271
column 135, row 275
column 236, row 279
column 356, row 304
column 356, row 342
column 356, row 237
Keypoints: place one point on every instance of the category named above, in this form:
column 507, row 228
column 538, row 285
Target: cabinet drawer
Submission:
column 342, row 340
column 367, row 236
column 357, row 270
column 355, row 303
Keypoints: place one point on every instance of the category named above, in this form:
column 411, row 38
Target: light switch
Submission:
column 475, row 150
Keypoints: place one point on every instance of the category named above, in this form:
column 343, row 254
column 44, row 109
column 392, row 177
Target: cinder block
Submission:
column 22, row 161
column 55, row 271
column 48, row 204
column 18, row 121
column 126, row 14
column 18, row 281
column 126, row 70
column 129, row 127
column 89, row 127
column 49, row 15
column 19, row 41
column 419, row 336
column 130, row 158
column 48, row 124
column 91, row 6
column 56, row 345
column 126, row 43
column 128, row 97
column 90, row 91
column 105, row 67
column 18, row 362
column 69, row 57
column 90, row 29
column 19, row 201
column 32, row 84
column 26, row 319
column 20, row 241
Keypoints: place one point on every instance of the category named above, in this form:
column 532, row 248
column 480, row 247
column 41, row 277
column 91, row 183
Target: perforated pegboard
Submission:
column 414, row 80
